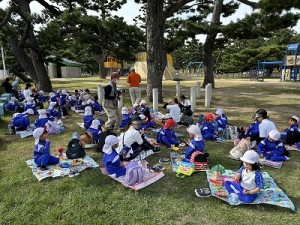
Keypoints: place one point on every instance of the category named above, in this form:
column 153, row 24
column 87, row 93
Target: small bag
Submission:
column 199, row 159
column 134, row 174
column 216, row 172
column 185, row 169
column 75, row 149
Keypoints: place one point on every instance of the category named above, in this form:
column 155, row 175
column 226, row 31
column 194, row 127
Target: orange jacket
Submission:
column 134, row 79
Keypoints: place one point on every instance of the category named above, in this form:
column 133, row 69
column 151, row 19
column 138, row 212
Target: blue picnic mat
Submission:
column 63, row 168
column 271, row 194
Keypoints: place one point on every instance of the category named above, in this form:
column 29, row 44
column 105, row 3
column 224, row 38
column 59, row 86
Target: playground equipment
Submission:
column 288, row 67
column 140, row 66
column 291, row 62
column 261, row 69
column 191, row 64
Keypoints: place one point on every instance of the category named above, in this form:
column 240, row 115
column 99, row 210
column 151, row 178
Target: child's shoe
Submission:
column 287, row 158
column 234, row 197
column 202, row 192
column 164, row 160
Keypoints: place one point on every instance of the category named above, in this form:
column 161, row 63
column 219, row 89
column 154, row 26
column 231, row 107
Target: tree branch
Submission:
column 252, row 4
column 7, row 17
column 52, row 9
column 175, row 7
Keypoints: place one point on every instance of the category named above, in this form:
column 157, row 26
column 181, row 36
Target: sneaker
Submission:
column 164, row 160
column 234, row 197
column 156, row 150
column 155, row 168
column 202, row 192
column 161, row 167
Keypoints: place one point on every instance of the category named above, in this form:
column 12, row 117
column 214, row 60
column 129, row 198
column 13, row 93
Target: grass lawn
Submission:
column 92, row 198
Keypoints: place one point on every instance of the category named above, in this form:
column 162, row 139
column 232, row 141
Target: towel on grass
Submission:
column 271, row 194
column 149, row 178
column 58, row 171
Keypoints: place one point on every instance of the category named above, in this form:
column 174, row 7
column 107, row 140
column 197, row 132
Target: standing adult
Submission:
column 134, row 80
column 27, row 91
column 110, row 103
column 8, row 88
column 265, row 125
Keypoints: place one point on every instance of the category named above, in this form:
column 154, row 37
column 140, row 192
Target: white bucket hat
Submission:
column 250, row 156
column 110, row 141
column 167, row 116
column 37, row 133
column 296, row 118
column 95, row 124
column 51, row 105
column 87, row 111
column 52, row 94
column 219, row 112
column 274, row 134
column 64, row 92
column 194, row 129
column 29, row 111
column 42, row 113
column 143, row 102
column 125, row 110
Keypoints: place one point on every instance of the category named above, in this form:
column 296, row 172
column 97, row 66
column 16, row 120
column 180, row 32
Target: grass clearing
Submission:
column 92, row 198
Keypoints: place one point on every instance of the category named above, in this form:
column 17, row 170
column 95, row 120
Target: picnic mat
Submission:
column 291, row 148
column 271, row 194
column 149, row 178
column 263, row 162
column 58, row 171
column 25, row 133
column 81, row 125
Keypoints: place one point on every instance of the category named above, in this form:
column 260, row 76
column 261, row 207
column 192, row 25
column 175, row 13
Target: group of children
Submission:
column 248, row 178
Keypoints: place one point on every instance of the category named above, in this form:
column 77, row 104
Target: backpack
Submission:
column 75, row 149
column 199, row 159
column 86, row 138
column 134, row 174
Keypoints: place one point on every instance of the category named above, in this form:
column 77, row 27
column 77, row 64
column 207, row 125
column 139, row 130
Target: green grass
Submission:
column 92, row 198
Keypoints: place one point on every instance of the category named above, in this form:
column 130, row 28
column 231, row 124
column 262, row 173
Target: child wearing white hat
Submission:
column 41, row 150
column 88, row 117
column 291, row 135
column 95, row 129
column 143, row 105
column 248, row 179
column 111, row 159
column 125, row 118
column 195, row 144
column 29, row 104
column 220, row 120
column 43, row 118
column 271, row 148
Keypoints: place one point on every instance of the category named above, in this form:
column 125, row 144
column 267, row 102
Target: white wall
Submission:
column 3, row 75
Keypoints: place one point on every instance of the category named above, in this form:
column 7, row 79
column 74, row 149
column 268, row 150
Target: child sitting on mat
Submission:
column 166, row 135
column 207, row 130
column 271, row 148
column 95, row 129
column 111, row 159
column 88, row 117
column 195, row 144
column 249, row 180
column 41, row 150
column 291, row 135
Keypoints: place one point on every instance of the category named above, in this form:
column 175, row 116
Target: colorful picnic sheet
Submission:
column 263, row 162
column 62, row 169
column 149, row 178
column 271, row 194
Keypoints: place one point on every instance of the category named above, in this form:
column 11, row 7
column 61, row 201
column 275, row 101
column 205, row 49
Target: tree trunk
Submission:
column 22, row 58
column 15, row 68
column 100, row 59
column 208, row 46
column 156, row 51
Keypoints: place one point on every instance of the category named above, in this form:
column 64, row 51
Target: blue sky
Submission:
column 131, row 10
